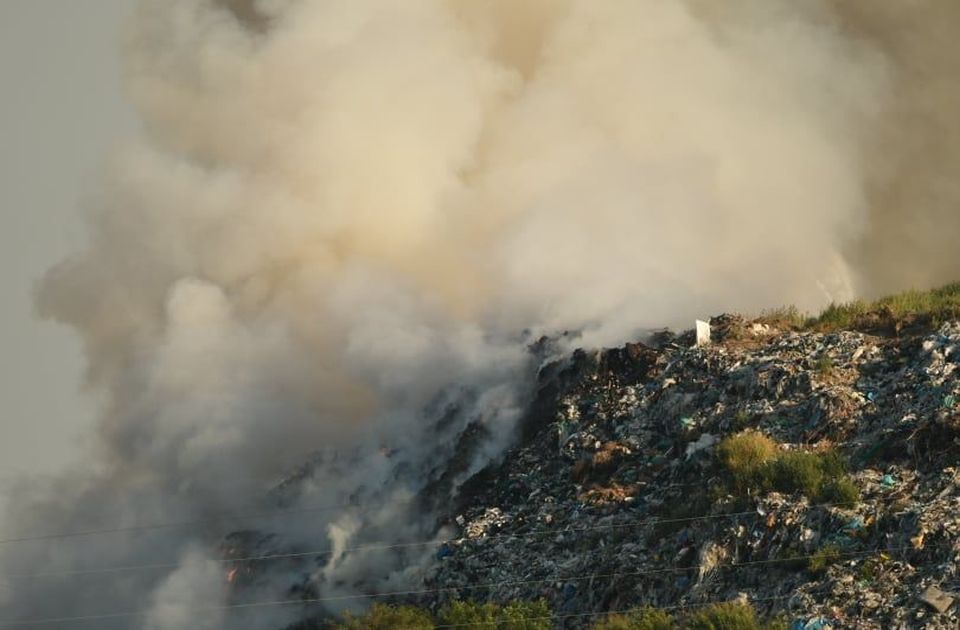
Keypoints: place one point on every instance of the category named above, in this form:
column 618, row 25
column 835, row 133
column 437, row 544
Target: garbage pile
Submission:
column 614, row 496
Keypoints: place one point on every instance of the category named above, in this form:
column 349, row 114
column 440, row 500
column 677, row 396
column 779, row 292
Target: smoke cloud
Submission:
column 344, row 220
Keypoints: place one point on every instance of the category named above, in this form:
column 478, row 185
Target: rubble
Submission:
column 614, row 497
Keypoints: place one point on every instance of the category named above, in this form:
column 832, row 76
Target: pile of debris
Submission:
column 614, row 496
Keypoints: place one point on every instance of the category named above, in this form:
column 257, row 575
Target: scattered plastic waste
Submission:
column 616, row 497
column 814, row 623
column 636, row 494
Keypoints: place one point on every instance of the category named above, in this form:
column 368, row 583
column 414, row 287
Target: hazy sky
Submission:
column 61, row 110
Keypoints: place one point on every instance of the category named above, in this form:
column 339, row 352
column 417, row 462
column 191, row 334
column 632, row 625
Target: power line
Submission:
column 225, row 516
column 454, row 589
column 382, row 545
column 222, row 517
column 175, row 524
column 213, row 519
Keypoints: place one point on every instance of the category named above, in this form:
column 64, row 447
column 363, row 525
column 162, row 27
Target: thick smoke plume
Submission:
column 345, row 219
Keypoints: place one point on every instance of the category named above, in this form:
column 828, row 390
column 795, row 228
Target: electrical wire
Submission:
column 452, row 589
column 383, row 546
column 225, row 516
column 174, row 524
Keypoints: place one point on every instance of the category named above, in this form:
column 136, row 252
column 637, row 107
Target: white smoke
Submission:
column 344, row 212
column 184, row 598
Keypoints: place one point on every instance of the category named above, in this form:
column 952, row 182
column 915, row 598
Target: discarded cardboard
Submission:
column 936, row 599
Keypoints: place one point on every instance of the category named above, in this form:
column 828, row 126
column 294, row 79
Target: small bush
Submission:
column 824, row 365
column 745, row 455
column 613, row 622
column 842, row 491
column 641, row 619
column 832, row 464
column 934, row 306
column 458, row 612
column 798, row 471
column 726, row 616
column 740, row 420
column 789, row 316
column 513, row 616
column 525, row 616
column 779, row 623
column 384, row 617
column 754, row 462
column 821, row 477
column 840, row 316
column 870, row 569
column 823, row 558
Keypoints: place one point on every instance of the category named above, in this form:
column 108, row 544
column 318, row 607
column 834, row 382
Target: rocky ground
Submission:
column 615, row 497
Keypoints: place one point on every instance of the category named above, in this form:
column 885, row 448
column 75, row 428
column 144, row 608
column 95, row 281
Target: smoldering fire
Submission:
column 340, row 212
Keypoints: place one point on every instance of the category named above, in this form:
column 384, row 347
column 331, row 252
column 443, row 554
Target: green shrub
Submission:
column 824, row 365
column 385, row 617
column 525, row 616
column 640, row 619
column 754, row 462
column 459, row 612
column 842, row 491
column 821, row 477
column 832, row 464
column 823, row 558
column 740, row 420
column 514, row 616
column 613, row 622
column 726, row 616
column 779, row 623
column 935, row 306
column 745, row 455
column 789, row 316
column 798, row 471
column 840, row 316
column 939, row 304
column 870, row 569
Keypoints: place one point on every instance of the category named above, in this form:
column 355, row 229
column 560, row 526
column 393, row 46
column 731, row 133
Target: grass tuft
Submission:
column 754, row 463
column 934, row 307
column 386, row 617
column 930, row 308
column 824, row 366
column 516, row 615
column 726, row 616
column 823, row 558
column 640, row 619
column 745, row 456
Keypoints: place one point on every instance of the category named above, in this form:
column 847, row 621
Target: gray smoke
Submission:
column 342, row 215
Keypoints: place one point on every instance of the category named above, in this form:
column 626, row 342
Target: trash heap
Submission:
column 614, row 496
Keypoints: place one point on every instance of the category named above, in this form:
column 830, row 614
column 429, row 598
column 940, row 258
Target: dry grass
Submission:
column 921, row 308
column 745, row 456
column 754, row 462
column 640, row 619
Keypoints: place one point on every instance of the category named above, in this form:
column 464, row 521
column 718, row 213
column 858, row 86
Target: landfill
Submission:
column 614, row 497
